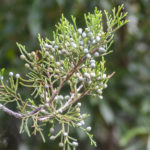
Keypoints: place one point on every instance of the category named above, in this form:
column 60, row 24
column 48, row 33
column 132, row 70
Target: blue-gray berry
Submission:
column 93, row 65
column 85, row 51
column 88, row 128
column 17, row 75
column 96, row 54
column 97, row 38
column 83, row 34
column 81, row 42
column 80, row 30
column 88, row 56
column 102, row 50
column 11, row 74
column 75, row 144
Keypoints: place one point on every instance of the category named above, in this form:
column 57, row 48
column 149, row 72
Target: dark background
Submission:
column 122, row 120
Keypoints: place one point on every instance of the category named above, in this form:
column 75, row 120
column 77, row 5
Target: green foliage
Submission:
column 74, row 59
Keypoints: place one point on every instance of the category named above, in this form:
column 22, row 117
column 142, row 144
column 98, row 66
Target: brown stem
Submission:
column 50, row 82
column 64, row 107
column 10, row 112
column 69, row 74
column 18, row 115
column 75, row 100
column 36, row 110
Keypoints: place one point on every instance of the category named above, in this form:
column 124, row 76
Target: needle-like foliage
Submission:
column 74, row 60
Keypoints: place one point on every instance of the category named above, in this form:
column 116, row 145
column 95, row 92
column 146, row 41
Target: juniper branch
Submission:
column 71, row 59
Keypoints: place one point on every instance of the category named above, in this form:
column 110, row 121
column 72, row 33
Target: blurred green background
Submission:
column 122, row 120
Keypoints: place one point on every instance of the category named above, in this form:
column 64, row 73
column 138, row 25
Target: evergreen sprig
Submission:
column 73, row 60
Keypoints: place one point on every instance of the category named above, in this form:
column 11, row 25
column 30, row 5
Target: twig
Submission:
column 10, row 112
column 64, row 107
column 50, row 82
column 69, row 74
column 18, row 115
